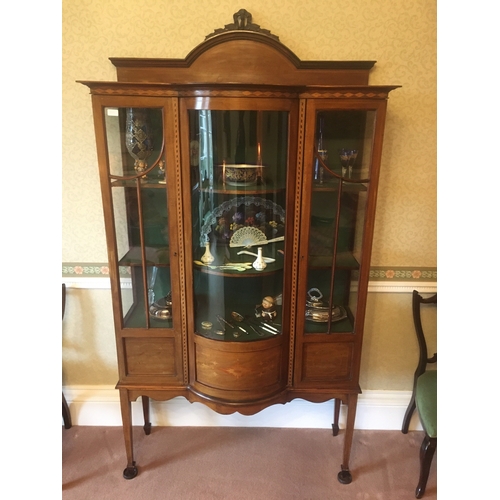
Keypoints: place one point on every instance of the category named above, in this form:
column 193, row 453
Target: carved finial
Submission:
column 242, row 18
column 242, row 21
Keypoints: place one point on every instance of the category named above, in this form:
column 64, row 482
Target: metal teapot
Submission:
column 162, row 308
column 318, row 311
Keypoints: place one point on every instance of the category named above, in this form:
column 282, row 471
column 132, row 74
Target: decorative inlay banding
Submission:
column 345, row 95
column 296, row 236
column 180, row 246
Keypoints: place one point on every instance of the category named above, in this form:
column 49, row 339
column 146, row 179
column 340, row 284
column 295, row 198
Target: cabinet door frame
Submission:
column 305, row 341
column 174, row 208
column 243, row 100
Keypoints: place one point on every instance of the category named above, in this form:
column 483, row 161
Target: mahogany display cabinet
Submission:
column 239, row 188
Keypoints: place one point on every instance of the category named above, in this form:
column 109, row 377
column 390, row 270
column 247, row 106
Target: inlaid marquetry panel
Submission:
column 150, row 356
column 326, row 362
column 238, row 370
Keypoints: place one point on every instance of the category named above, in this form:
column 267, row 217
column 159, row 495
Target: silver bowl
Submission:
column 241, row 174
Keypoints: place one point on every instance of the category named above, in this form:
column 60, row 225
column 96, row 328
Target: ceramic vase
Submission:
column 138, row 137
column 259, row 263
column 207, row 257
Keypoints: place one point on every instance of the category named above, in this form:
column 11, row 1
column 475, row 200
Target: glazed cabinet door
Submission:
column 240, row 162
column 341, row 166
column 138, row 178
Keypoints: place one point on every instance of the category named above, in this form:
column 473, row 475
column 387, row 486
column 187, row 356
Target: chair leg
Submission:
column 408, row 414
column 66, row 414
column 426, row 455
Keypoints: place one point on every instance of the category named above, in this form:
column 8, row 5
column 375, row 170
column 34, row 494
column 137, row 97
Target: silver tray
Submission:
column 320, row 314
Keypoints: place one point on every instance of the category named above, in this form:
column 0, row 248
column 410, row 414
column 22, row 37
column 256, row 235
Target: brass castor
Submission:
column 344, row 476
column 130, row 472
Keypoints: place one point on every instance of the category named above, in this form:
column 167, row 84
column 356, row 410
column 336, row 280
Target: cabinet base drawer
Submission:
column 150, row 356
column 326, row 362
column 236, row 373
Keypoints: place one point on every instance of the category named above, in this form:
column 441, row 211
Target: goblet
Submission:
column 352, row 159
column 347, row 160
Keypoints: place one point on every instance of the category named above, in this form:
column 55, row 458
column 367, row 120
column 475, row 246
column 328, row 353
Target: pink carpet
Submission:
column 204, row 463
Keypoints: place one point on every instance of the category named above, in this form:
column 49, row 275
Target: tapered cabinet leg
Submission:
column 145, row 410
column 336, row 415
column 426, row 454
column 131, row 470
column 344, row 476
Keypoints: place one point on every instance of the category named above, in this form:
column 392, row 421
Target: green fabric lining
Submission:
column 426, row 400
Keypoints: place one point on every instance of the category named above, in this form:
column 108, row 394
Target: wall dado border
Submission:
column 382, row 279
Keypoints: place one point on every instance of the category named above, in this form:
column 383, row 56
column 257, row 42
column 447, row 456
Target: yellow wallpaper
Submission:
column 398, row 34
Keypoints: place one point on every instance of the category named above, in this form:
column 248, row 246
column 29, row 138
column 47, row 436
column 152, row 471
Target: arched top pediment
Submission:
column 242, row 52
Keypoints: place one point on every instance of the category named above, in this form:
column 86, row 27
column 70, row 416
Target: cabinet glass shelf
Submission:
column 155, row 256
column 259, row 189
column 334, row 186
column 343, row 260
column 144, row 184
column 135, row 319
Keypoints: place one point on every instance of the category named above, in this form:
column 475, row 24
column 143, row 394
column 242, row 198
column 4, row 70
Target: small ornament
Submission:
column 268, row 311
column 259, row 263
column 207, row 257
column 161, row 166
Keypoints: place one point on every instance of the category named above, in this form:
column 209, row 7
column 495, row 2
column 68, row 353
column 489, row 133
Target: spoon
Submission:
column 199, row 263
column 244, row 266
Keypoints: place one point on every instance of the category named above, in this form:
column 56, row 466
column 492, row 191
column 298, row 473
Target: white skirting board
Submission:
column 100, row 406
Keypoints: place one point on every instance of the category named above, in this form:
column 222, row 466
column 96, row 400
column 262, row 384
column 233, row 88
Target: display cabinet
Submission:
column 239, row 188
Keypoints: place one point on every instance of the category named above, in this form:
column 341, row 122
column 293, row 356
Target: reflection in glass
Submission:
column 338, row 205
column 238, row 177
column 136, row 159
column 347, row 160
column 135, row 142
column 138, row 137
column 322, row 153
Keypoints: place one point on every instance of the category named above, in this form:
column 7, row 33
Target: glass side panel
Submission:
column 137, row 168
column 238, row 179
column 341, row 176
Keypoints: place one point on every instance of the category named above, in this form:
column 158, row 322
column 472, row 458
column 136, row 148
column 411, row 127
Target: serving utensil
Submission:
column 236, row 266
column 267, row 260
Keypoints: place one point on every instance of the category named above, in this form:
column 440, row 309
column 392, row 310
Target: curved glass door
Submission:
column 136, row 159
column 238, row 164
column 338, row 201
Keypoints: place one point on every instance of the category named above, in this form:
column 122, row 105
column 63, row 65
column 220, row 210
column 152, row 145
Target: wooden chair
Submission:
column 424, row 396
column 65, row 408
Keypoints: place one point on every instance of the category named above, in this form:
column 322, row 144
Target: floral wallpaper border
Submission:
column 403, row 274
column 390, row 274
